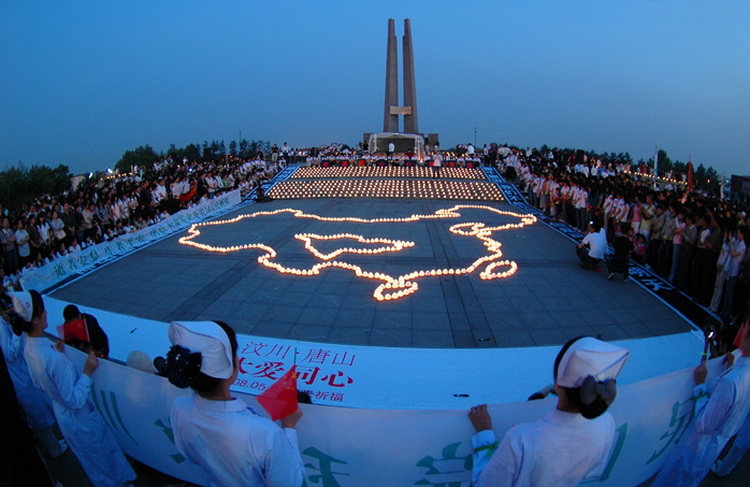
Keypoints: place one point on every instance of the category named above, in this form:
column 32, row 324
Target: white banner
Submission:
column 391, row 377
column 87, row 259
column 367, row 447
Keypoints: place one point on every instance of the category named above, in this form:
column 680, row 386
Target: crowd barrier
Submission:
column 396, row 417
column 87, row 259
column 406, row 447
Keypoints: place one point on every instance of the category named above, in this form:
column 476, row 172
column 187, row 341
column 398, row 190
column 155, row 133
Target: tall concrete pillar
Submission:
column 390, row 122
column 411, row 122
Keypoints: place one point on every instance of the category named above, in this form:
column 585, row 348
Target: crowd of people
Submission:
column 101, row 209
column 694, row 240
column 691, row 238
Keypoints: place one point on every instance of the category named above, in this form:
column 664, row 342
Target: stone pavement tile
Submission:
column 391, row 337
column 548, row 336
column 388, row 320
column 252, row 311
column 422, row 303
column 464, row 339
column 459, row 321
column 301, row 285
column 354, row 318
column 432, row 339
column 522, row 303
column 508, row 321
column 611, row 332
column 349, row 336
column 637, row 330
column 312, row 333
column 297, row 298
column 323, row 316
column 664, row 327
column 430, row 321
column 286, row 314
column 538, row 319
column 556, row 304
column 579, row 331
column 273, row 330
column 620, row 315
column 516, row 338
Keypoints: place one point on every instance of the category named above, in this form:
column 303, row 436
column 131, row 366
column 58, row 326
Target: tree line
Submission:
column 215, row 150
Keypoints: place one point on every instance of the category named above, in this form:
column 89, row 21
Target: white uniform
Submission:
column 35, row 405
column 234, row 445
column 719, row 416
column 81, row 425
column 558, row 450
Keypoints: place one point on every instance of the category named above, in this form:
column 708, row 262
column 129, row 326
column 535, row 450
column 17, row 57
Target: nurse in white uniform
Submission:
column 720, row 412
column 35, row 405
column 80, row 423
column 572, row 442
column 234, row 445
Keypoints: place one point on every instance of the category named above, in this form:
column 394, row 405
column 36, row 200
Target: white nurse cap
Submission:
column 588, row 356
column 208, row 339
column 22, row 304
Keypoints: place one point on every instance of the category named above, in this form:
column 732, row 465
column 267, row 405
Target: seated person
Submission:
column 592, row 248
column 81, row 330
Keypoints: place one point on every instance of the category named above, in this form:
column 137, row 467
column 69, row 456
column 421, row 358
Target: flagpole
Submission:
column 656, row 162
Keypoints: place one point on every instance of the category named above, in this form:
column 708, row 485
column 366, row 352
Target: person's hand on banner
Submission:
column 480, row 418
column 700, row 373
column 291, row 420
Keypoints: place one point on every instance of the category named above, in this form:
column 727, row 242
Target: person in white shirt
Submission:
column 233, row 444
column 572, row 442
column 720, row 412
column 593, row 247
column 70, row 392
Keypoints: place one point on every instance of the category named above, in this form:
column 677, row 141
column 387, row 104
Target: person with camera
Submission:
column 234, row 444
column 572, row 442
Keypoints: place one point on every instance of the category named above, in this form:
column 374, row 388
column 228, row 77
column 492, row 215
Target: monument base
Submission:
column 403, row 142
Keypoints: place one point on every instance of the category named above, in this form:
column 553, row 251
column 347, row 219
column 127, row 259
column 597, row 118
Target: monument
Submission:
column 408, row 139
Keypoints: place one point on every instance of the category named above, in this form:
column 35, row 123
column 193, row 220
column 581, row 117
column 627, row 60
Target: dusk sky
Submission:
column 81, row 82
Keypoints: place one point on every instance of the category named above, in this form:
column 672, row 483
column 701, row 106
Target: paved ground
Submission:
column 547, row 301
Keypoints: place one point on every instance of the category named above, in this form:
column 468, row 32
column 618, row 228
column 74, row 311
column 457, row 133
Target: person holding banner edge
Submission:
column 234, row 444
column 720, row 412
column 80, row 423
column 572, row 442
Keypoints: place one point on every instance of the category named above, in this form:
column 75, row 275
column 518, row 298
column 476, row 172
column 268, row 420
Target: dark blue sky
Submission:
column 81, row 82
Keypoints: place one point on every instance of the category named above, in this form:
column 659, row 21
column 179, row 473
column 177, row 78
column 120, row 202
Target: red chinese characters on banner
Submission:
column 321, row 372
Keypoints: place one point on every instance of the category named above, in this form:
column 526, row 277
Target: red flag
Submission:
column 690, row 176
column 75, row 330
column 280, row 400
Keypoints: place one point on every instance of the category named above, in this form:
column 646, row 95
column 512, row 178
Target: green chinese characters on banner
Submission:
column 322, row 470
column 449, row 470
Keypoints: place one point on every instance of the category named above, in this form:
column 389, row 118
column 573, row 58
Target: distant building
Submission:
column 740, row 184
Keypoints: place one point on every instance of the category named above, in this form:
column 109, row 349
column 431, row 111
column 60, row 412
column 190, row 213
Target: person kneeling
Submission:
column 592, row 248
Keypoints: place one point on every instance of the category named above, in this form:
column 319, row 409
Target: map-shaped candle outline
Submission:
column 392, row 287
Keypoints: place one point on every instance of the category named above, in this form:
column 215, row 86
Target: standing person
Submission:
column 437, row 163
column 720, row 411
column 22, row 242
column 35, row 405
column 572, row 442
column 737, row 249
column 81, row 425
column 233, row 444
column 9, row 247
